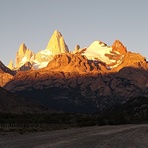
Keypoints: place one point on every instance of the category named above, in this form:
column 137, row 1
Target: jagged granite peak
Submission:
column 10, row 65
column 22, row 49
column 56, row 44
column 23, row 55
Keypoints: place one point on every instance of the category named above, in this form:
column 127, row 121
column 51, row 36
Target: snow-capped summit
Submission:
column 99, row 51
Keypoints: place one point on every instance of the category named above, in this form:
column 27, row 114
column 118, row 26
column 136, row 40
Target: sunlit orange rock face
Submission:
column 134, row 60
column 79, row 63
column 5, row 74
column 118, row 46
column 72, row 63
column 4, row 78
column 73, row 83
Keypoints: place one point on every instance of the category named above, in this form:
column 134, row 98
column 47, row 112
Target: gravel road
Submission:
column 122, row 136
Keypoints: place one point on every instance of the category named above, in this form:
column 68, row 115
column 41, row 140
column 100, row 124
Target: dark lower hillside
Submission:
column 133, row 111
column 13, row 103
column 80, row 93
column 63, row 100
column 18, row 113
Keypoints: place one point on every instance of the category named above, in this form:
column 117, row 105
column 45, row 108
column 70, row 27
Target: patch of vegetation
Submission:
column 133, row 111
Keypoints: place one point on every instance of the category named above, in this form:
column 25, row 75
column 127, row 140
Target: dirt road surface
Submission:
column 122, row 136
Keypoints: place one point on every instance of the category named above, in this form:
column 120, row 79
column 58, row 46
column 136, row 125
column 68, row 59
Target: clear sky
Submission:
column 80, row 22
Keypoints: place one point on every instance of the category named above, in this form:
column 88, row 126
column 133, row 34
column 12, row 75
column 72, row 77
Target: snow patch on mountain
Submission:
column 46, row 52
column 38, row 65
column 99, row 51
column 24, row 60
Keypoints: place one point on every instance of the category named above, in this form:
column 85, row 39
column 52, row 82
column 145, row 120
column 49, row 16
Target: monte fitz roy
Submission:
column 86, row 80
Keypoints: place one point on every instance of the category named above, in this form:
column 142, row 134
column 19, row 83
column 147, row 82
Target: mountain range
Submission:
column 56, row 45
column 88, row 79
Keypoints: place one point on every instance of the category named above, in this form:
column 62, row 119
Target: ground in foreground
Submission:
column 121, row 136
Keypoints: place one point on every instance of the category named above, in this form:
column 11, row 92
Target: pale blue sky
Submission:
column 80, row 21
